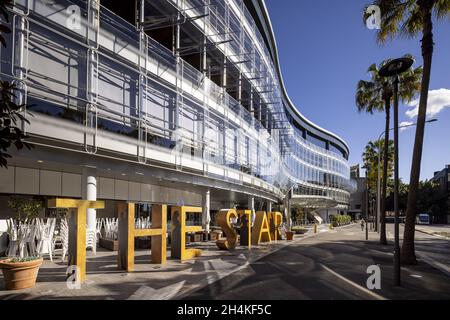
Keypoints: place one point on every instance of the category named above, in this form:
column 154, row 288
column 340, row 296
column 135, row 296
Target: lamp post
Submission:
column 367, row 202
column 379, row 168
column 392, row 69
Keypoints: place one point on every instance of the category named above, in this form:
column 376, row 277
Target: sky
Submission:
column 325, row 49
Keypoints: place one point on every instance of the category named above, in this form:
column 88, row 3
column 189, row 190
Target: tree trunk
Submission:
column 387, row 107
column 408, row 255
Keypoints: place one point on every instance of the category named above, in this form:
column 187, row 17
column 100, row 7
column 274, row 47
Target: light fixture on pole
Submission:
column 392, row 69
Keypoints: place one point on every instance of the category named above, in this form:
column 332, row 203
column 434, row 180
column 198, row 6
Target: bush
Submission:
column 340, row 220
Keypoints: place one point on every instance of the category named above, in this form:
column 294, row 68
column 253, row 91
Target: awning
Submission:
column 313, row 202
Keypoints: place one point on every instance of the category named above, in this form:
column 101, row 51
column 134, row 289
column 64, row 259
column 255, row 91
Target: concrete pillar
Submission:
column 251, row 206
column 206, row 218
column 287, row 208
column 289, row 214
column 90, row 193
column 269, row 206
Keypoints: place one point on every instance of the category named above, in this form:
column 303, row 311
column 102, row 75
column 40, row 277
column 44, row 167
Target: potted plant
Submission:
column 289, row 233
column 21, row 272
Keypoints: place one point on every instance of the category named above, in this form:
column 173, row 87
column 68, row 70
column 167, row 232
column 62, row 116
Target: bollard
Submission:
column 315, row 227
column 331, row 226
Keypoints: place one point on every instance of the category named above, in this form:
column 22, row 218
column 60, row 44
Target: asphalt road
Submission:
column 333, row 265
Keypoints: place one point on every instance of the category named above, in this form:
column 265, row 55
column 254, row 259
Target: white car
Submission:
column 423, row 218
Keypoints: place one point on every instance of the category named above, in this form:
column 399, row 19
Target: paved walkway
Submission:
column 430, row 248
column 332, row 265
column 148, row 281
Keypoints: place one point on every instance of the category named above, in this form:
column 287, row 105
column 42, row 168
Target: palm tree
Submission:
column 376, row 95
column 409, row 18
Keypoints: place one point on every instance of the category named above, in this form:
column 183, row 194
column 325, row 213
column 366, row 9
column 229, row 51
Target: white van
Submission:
column 423, row 218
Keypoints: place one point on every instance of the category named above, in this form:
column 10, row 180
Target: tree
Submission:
column 432, row 199
column 370, row 160
column 10, row 112
column 376, row 95
column 409, row 18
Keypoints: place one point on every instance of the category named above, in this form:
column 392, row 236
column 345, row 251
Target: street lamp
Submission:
column 378, row 219
column 392, row 69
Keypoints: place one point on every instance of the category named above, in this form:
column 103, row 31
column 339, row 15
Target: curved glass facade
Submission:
column 192, row 79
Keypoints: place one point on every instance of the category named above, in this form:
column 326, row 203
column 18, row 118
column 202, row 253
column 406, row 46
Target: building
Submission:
column 354, row 172
column 163, row 101
column 443, row 179
column 358, row 198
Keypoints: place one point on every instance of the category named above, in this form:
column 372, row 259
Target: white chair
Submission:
column 98, row 228
column 111, row 228
column 13, row 245
column 29, row 237
column 91, row 240
column 45, row 237
column 62, row 237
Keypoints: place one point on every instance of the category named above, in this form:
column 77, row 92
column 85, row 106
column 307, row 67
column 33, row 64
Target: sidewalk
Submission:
column 442, row 231
column 149, row 281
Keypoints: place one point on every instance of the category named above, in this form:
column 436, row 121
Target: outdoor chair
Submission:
column 45, row 237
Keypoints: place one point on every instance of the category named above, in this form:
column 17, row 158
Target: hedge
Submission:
column 339, row 220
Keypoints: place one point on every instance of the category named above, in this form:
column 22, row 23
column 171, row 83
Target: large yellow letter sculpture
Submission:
column 223, row 219
column 178, row 231
column 246, row 228
column 127, row 233
column 261, row 230
column 275, row 221
column 77, row 230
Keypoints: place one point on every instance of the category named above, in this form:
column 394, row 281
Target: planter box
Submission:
column 300, row 231
column 289, row 235
column 196, row 237
column 109, row 244
column 215, row 235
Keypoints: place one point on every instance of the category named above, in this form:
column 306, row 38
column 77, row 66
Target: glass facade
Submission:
column 81, row 62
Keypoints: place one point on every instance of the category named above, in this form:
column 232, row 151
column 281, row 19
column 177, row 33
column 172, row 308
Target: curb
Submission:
column 432, row 234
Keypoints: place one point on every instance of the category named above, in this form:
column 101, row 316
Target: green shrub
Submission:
column 339, row 220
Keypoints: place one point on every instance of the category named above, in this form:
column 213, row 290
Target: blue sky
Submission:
column 325, row 49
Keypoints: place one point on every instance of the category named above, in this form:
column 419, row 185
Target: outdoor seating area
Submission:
column 49, row 237
column 35, row 237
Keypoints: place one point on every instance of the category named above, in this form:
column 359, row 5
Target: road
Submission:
column 333, row 265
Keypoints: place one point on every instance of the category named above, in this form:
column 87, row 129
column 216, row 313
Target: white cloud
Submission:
column 437, row 101
column 406, row 124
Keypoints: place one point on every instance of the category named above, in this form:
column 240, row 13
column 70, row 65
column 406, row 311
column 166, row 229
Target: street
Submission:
column 333, row 265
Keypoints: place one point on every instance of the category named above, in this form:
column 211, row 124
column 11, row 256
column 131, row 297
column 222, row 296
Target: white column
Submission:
column 269, row 206
column 91, row 195
column 206, row 219
column 251, row 206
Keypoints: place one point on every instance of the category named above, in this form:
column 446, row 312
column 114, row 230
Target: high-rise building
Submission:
column 163, row 101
